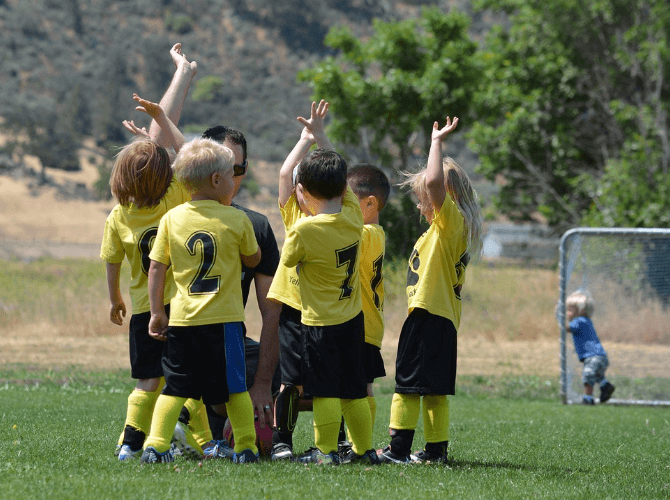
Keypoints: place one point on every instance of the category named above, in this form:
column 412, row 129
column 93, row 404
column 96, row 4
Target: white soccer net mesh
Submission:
column 627, row 273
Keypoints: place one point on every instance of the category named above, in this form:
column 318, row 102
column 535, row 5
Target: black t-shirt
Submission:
column 269, row 250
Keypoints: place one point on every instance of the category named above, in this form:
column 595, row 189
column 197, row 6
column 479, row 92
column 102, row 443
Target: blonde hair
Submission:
column 141, row 174
column 458, row 187
column 199, row 159
column 582, row 301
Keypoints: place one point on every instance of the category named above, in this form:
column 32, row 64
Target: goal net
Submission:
column 627, row 274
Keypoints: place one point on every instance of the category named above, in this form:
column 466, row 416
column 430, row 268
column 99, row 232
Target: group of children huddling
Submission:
column 186, row 244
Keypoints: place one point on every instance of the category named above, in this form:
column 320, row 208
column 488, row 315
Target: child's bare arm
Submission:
column 434, row 171
column 158, row 323
column 130, row 125
column 117, row 308
column 169, row 133
column 173, row 100
column 315, row 125
column 251, row 260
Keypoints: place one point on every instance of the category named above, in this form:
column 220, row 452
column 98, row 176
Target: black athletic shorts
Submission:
column 146, row 353
column 332, row 360
column 290, row 346
column 426, row 361
column 205, row 361
column 373, row 363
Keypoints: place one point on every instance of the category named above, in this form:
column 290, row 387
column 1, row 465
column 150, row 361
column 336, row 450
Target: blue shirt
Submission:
column 585, row 338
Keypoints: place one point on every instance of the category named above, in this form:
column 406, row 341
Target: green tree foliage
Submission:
column 573, row 111
column 387, row 91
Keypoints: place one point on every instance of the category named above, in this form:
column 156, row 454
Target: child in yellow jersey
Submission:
column 372, row 188
column 145, row 188
column 426, row 360
column 325, row 247
column 204, row 242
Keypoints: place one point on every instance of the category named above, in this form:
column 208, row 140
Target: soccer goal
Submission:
column 627, row 273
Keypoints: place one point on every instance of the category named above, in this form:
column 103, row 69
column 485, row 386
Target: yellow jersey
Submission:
column 130, row 233
column 202, row 241
column 326, row 247
column 436, row 270
column 373, row 242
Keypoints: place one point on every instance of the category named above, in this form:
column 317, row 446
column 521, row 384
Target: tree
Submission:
column 386, row 92
column 572, row 111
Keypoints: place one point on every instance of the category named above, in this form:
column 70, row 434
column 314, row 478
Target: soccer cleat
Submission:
column 185, row 442
column 281, row 451
column 117, row 450
column 151, row 456
column 343, row 449
column 588, row 400
column 606, row 392
column 316, row 456
column 368, row 458
column 125, row 453
column 245, row 457
column 218, row 449
column 386, row 456
column 425, row 457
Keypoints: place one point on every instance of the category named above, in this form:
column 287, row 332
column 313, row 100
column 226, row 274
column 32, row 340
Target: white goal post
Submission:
column 627, row 273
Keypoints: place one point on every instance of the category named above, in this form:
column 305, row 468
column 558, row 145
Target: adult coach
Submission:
column 263, row 357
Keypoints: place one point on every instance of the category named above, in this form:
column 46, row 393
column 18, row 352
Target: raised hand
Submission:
column 130, row 125
column 179, row 58
column 315, row 123
column 440, row 134
column 150, row 108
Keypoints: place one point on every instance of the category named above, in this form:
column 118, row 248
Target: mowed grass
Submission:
column 58, row 432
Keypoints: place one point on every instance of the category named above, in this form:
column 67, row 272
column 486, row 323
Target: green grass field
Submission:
column 58, row 431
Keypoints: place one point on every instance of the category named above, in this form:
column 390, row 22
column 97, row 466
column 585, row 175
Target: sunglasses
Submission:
column 240, row 169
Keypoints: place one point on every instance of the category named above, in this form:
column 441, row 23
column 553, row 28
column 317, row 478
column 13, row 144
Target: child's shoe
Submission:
column 316, row 456
column 125, row 453
column 151, row 456
column 218, row 449
column 588, row 400
column 343, row 449
column 281, row 451
column 606, row 392
column 117, row 450
column 245, row 457
column 425, row 457
column 386, row 456
column 368, row 458
column 184, row 440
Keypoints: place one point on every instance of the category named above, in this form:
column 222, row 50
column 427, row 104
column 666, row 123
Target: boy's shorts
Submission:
column 426, row 361
column 205, row 361
column 290, row 346
column 332, row 360
column 146, row 353
column 373, row 363
column 594, row 369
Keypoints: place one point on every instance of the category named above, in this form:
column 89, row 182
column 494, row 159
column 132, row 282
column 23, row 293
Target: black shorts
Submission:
column 426, row 362
column 205, row 361
column 290, row 346
column 373, row 363
column 146, row 353
column 332, row 360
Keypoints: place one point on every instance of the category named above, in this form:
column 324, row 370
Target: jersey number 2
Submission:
column 347, row 257
column 202, row 283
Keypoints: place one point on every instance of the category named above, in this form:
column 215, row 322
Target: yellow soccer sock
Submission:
column 327, row 417
column 241, row 416
column 435, row 418
column 357, row 415
column 372, row 403
column 405, row 409
column 140, row 410
column 166, row 414
column 199, row 422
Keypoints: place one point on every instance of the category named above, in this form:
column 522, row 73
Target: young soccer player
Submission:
column 325, row 246
column 285, row 290
column 579, row 308
column 426, row 360
column 204, row 242
column 145, row 189
column 372, row 188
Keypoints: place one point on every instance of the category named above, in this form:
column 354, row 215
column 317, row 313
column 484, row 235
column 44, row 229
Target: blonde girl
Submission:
column 426, row 359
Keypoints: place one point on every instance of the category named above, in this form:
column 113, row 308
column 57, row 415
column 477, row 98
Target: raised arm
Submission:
column 313, row 132
column 434, row 171
column 169, row 133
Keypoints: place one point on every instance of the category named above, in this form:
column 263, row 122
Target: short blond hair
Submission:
column 199, row 159
column 582, row 301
